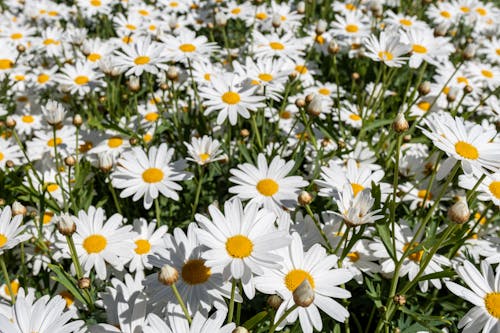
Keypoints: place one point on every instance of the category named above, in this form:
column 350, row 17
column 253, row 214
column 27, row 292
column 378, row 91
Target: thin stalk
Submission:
column 283, row 317
column 321, row 231
column 7, row 280
column 181, row 303
column 74, row 257
column 256, row 131
column 113, row 194
column 158, row 212
column 201, row 172
column 231, row 302
column 392, row 218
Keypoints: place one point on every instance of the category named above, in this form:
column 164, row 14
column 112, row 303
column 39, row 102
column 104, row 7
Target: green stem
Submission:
column 74, row 257
column 201, row 172
column 231, row 302
column 394, row 193
column 181, row 303
column 158, row 212
column 321, row 231
column 113, row 194
column 7, row 280
column 256, row 131
column 283, row 317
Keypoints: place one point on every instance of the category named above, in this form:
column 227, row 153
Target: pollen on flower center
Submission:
column 27, row 119
column 422, row 193
column 267, row 187
column 416, row 256
column 81, row 80
column 276, row 46
column 152, row 175
column 42, row 78
column 385, row 55
column 51, row 187
column 353, row 256
column 204, row 156
column 94, row 243
column 231, row 98
column 295, row 277
column 6, row 64
column 265, row 77
column 324, row 91
column 114, row 142
column 419, row 48
column 187, row 48
column 93, row 57
column 1, row 156
column 142, row 246
column 195, row 272
column 495, row 189
column 239, row 246
column 351, row 28
column 15, row 288
column 56, row 142
column 66, row 295
column 466, row 150
column 406, row 22
column 492, row 303
column 152, row 116
column 356, row 188
column 354, row 117
column 486, row 73
column 425, row 106
column 141, row 60
column 3, row 240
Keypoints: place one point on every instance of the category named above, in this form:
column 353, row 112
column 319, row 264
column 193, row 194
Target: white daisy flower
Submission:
column 186, row 45
column 147, row 242
column 10, row 151
column 98, row 243
column 273, row 45
column 483, row 292
column 149, row 175
column 267, row 185
column 319, row 269
column 488, row 189
column 204, row 150
column 241, row 241
column 355, row 210
column 11, row 230
column 387, row 48
column 141, row 56
column 79, row 78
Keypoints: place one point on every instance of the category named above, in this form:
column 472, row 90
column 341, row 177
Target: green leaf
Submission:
column 377, row 123
column 68, row 282
column 438, row 275
column 250, row 323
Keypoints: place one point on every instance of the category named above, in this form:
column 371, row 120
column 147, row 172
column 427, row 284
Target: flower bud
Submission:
column 244, row 132
column 315, row 107
column 301, row 7
column 376, row 8
column 355, row 76
column 9, row 163
column 172, row 22
column 134, row 83
column 451, row 96
column 468, row 89
column 70, row 161
column 300, row 102
column 220, row 19
column 21, row 48
column 424, row 88
column 333, row 47
column 469, row 52
column 106, row 161
column 441, row 29
column 65, row 224
column 240, row 329
column 400, row 124
column 399, row 299
column 77, row 120
column 321, row 27
column 276, row 20
column 305, row 198
column 172, row 73
column 168, row 275
column 164, row 86
column 459, row 212
column 274, row 301
column 84, row 283
column 54, row 113
column 303, row 295
column 10, row 122
column 18, row 209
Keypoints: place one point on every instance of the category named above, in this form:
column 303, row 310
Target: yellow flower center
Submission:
column 187, row 48
column 15, row 288
column 492, row 303
column 16, row 35
column 302, row 69
column 81, row 80
column 462, row 79
column 42, row 78
column 143, row 12
column 53, row 143
column 66, row 295
column 6, row 64
column 425, row 106
column 353, row 256
column 93, row 57
column 319, row 39
column 207, row 76
column 152, row 175
column 295, row 277
column 95, row 3
column 50, row 41
column 487, row 73
column 236, row 11
column 465, row 9
column 356, row 188
column 285, row 115
column 231, row 98
column 1, row 156
column 419, row 48
column 350, row 6
column 127, row 39
column 352, row 28
column 94, row 243
column 195, row 272
column 324, row 91
column 265, row 77
column 445, row 14
column 261, row 16
column 151, row 116
column 239, row 246
column 142, row 246
column 406, row 22
column 495, row 189
column 481, row 11
column 130, row 27
column 114, row 142
column 147, row 137
column 422, row 193
column 141, row 60
column 3, row 240
column 276, row 46
column 267, row 187
column 173, row 4
column 385, row 55
column 51, row 187
column 354, row 117
column 204, row 156
column 47, row 217
column 27, row 119
column 416, row 256
column 466, row 150
column 497, row 51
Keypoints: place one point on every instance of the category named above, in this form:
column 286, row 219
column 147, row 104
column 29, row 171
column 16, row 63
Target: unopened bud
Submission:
column 70, row 161
column 54, row 113
column 301, row 7
column 21, row 48
column 468, row 89
column 274, row 301
column 469, row 52
column 400, row 124
column 424, row 88
column 134, row 83
column 77, row 120
column 399, row 299
column 333, row 47
column 106, row 161
column 459, row 212
column 276, row 20
column 407, row 138
column 240, row 329
column 441, row 29
column 321, row 27
column 10, row 122
column 164, row 86
column 133, row 141
column 303, row 295
column 9, row 163
column 305, row 198
column 309, row 98
column 293, row 75
column 244, row 132
column 451, row 96
column 315, row 107
column 220, row 19
column 168, row 275
column 172, row 73
column 300, row 102
column 65, row 224
column 84, row 283
column 18, row 209
column 355, row 76
column 376, row 8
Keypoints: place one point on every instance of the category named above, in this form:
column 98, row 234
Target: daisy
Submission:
column 483, row 292
column 230, row 97
column 353, row 25
column 319, row 269
column 43, row 315
column 426, row 47
column 200, row 287
column 45, row 142
column 267, row 185
column 147, row 242
column 114, row 144
column 403, row 21
column 273, row 45
column 355, row 210
column 187, row 46
column 360, row 261
column 138, row 57
column 443, row 13
column 484, row 74
column 51, row 42
column 387, row 49
column 26, row 123
column 488, row 189
column 79, row 78
column 9, row 151
column 11, row 230
column 240, row 242
column 463, row 141
column 148, row 175
column 99, row 242
column 8, row 55
column 204, row 150
column 350, row 114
